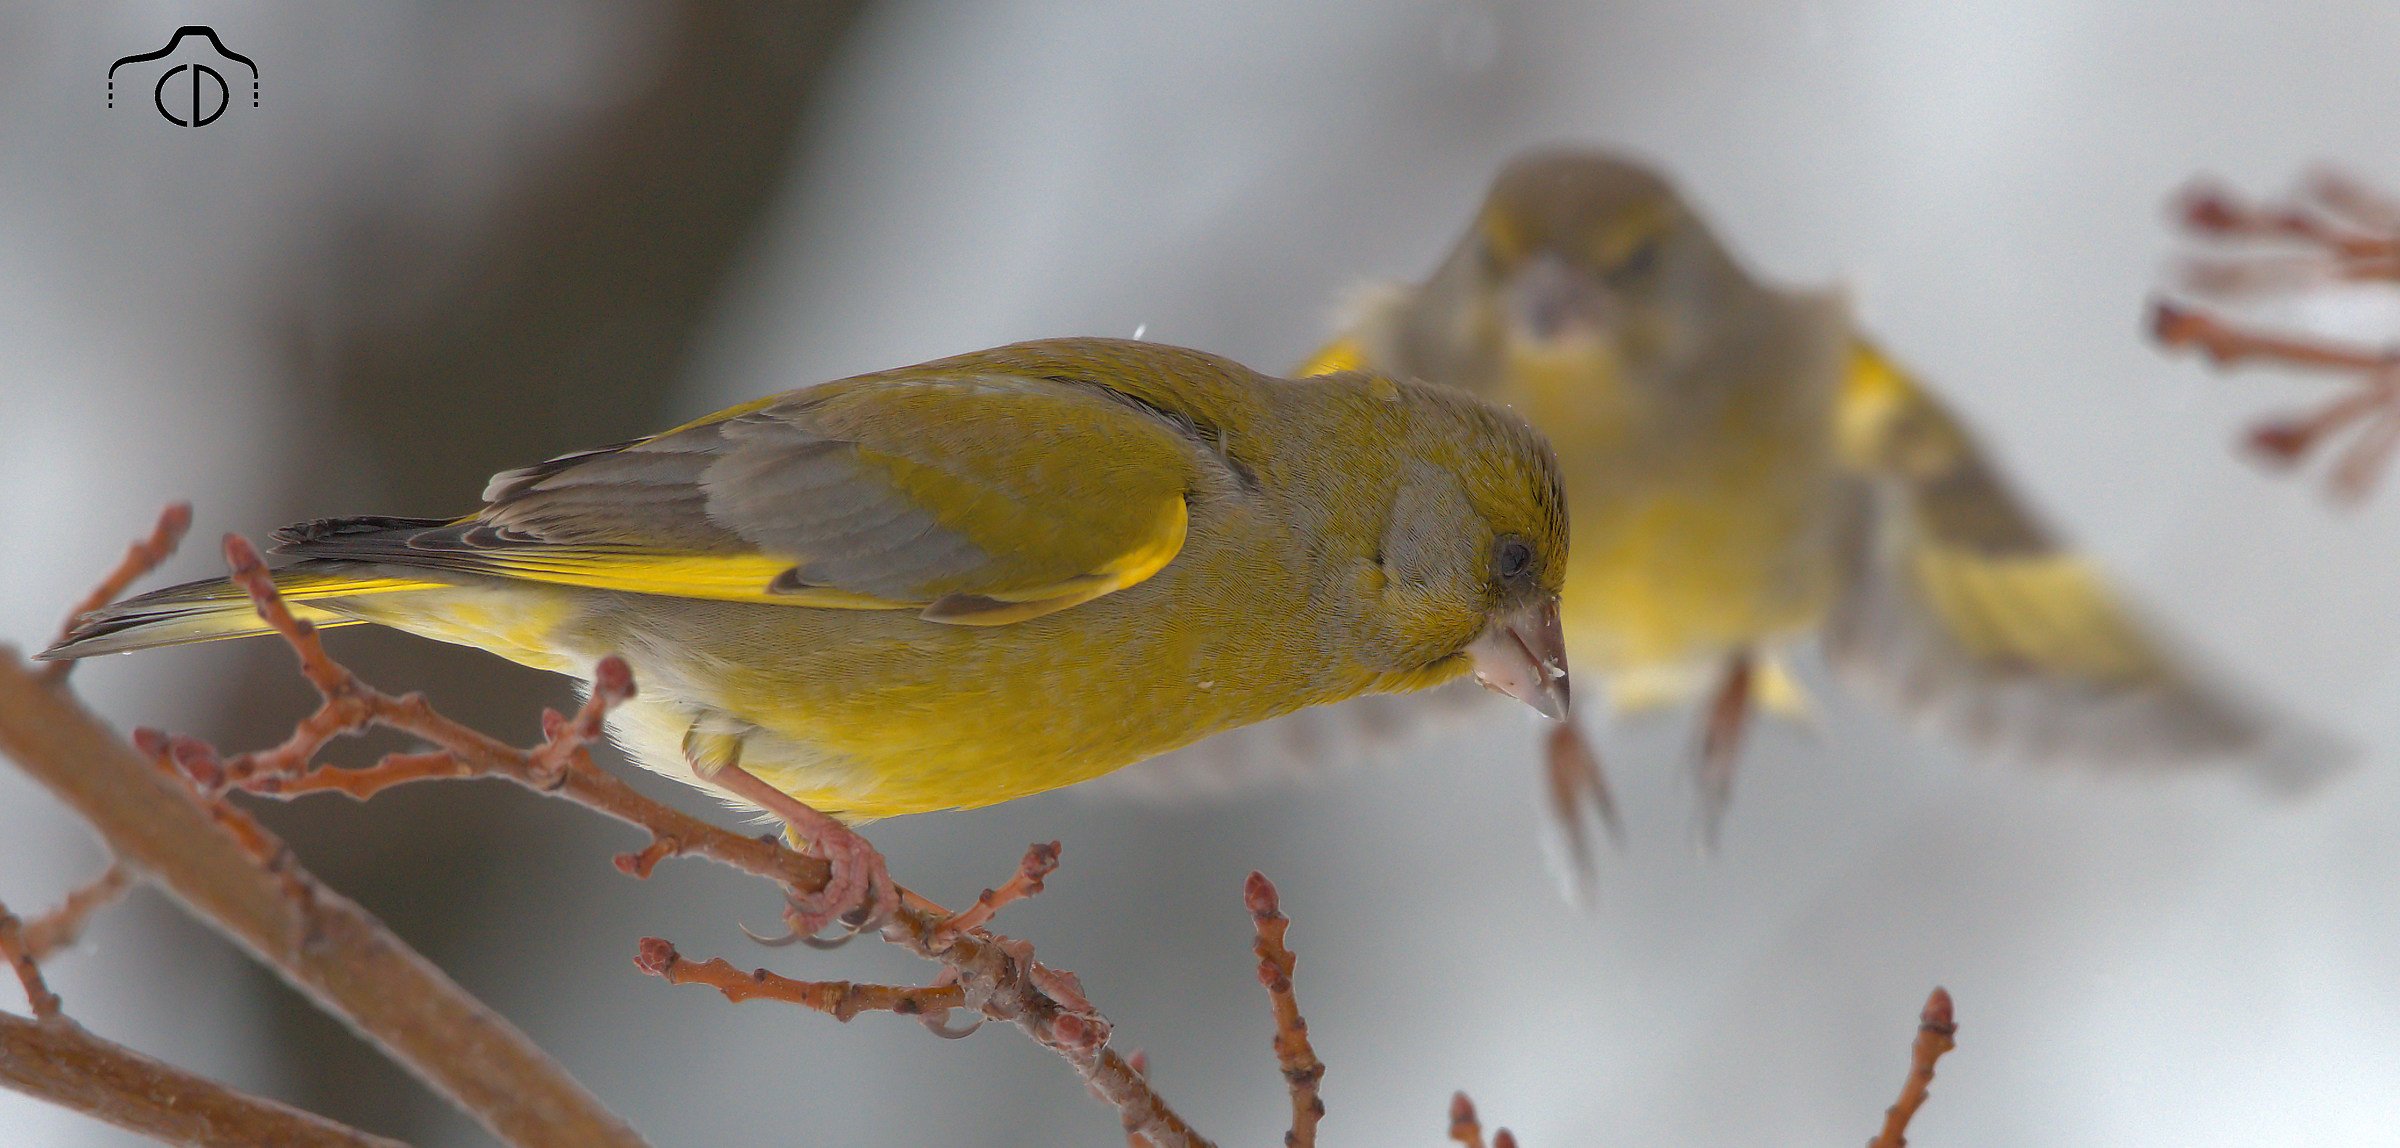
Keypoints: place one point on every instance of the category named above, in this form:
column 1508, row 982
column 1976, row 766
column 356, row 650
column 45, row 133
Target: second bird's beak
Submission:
column 1553, row 302
column 1523, row 654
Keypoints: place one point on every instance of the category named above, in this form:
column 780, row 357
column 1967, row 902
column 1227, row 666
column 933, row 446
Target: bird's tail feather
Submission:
column 216, row 608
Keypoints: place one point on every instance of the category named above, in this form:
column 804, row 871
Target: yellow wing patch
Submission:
column 1146, row 558
column 752, row 577
column 719, row 577
column 2050, row 613
column 1873, row 397
column 1339, row 355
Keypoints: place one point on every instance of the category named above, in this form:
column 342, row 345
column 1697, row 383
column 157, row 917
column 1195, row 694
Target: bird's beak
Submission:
column 1552, row 301
column 1523, row 654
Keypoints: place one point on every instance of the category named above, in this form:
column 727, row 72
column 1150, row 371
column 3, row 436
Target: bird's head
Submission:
column 1474, row 550
column 1579, row 259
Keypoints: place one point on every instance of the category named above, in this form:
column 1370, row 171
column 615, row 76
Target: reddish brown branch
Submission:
column 1467, row 1128
column 1302, row 1071
column 998, row 978
column 320, row 942
column 2347, row 233
column 840, row 1000
column 2348, row 197
column 60, row 927
column 1040, row 861
column 2372, row 410
column 2214, row 211
column 56, row 1060
column 1936, row 1029
column 2226, row 345
column 140, row 558
column 19, row 956
column 23, row 944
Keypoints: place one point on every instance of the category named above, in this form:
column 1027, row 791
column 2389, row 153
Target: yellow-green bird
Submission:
column 978, row 578
column 1745, row 471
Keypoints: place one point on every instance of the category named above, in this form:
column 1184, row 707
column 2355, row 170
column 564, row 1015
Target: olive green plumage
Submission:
column 1746, row 471
column 978, row 578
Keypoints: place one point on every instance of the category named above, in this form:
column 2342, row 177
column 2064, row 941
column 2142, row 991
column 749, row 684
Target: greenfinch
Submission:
column 962, row 582
column 1746, row 471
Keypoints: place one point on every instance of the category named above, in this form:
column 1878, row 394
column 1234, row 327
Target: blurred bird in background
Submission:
column 1745, row 472
column 972, row 580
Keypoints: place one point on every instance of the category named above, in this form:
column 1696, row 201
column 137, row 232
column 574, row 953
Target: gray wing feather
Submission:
column 1889, row 639
column 772, row 480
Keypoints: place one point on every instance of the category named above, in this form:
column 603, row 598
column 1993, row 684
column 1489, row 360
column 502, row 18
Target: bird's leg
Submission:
column 858, row 893
column 1721, row 744
column 1576, row 780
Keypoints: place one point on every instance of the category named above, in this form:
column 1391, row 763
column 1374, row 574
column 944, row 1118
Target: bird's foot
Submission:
column 1721, row 745
column 1579, row 795
column 859, row 893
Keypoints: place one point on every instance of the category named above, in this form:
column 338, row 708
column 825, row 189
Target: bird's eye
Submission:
column 1638, row 261
column 1511, row 557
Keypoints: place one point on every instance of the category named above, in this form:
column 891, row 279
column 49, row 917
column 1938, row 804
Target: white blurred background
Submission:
column 454, row 239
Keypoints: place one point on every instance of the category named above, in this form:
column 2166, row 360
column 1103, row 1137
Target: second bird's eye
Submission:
column 1511, row 556
column 1638, row 261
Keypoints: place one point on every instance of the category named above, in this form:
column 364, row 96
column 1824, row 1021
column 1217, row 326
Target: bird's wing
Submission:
column 1342, row 354
column 977, row 499
column 1972, row 615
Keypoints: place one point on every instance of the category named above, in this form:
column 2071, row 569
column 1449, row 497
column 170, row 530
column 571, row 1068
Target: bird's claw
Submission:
column 939, row 1025
column 859, row 894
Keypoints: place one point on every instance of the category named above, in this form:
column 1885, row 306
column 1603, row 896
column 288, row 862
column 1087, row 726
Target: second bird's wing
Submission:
column 1969, row 614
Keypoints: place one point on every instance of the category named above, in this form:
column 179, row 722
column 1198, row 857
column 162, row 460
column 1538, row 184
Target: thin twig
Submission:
column 1302, row 1071
column 2285, row 440
column 840, row 1000
column 1040, row 861
column 1467, row 1128
column 1936, row 1028
column 2343, row 233
column 324, row 945
column 2215, row 211
column 140, row 558
column 2345, row 195
column 29, row 971
column 60, row 927
column 56, row 1060
column 2226, row 345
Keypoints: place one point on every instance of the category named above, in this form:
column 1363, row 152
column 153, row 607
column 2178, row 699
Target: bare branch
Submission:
column 324, row 945
column 1302, row 1071
column 29, row 971
column 141, row 558
column 60, row 927
column 2226, row 345
column 1467, row 1128
column 1936, row 1029
column 840, row 1000
column 2344, row 233
column 56, row 1060
column 1040, row 861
